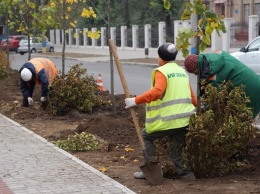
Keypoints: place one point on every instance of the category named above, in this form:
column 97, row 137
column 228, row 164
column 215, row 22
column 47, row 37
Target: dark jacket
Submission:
column 42, row 79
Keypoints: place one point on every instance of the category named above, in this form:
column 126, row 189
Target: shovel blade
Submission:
column 152, row 172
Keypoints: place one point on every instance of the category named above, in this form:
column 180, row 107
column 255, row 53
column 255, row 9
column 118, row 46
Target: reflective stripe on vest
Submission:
column 173, row 110
column 171, row 117
column 171, row 102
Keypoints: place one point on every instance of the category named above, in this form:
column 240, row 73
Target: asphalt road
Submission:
column 137, row 77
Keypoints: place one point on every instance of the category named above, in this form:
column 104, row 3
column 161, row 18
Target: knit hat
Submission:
column 167, row 51
column 26, row 74
column 191, row 63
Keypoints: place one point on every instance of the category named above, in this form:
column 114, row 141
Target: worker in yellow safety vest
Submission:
column 169, row 105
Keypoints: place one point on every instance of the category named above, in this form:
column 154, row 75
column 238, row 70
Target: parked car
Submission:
column 35, row 45
column 250, row 55
column 13, row 42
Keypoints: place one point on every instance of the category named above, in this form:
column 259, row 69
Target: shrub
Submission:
column 217, row 136
column 74, row 90
column 4, row 65
column 81, row 142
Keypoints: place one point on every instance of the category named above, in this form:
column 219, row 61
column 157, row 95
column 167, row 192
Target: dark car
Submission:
column 13, row 42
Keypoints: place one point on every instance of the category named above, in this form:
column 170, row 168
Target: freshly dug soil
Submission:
column 118, row 130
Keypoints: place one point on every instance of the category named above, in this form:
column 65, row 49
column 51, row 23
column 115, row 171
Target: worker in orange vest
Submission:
column 40, row 71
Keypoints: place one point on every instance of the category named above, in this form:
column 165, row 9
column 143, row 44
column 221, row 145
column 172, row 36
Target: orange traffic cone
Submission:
column 100, row 83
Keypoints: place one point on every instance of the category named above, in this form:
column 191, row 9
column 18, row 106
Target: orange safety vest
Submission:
column 39, row 64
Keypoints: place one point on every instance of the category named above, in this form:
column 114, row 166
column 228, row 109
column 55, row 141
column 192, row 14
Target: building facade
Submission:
column 240, row 10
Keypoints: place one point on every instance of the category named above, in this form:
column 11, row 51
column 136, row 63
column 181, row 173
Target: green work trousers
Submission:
column 176, row 138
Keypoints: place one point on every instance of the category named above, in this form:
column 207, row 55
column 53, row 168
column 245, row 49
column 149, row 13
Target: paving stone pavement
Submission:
column 29, row 164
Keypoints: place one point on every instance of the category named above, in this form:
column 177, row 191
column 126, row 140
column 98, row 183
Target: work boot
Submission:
column 25, row 103
column 44, row 105
column 188, row 177
column 139, row 175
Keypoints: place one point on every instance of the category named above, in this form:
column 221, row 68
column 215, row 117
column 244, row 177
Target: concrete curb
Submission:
column 80, row 162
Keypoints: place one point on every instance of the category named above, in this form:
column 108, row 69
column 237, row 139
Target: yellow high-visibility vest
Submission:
column 174, row 108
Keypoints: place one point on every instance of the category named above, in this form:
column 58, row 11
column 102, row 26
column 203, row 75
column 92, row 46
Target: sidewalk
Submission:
column 32, row 165
column 127, row 53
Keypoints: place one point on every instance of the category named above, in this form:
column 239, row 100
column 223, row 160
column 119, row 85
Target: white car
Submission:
column 250, row 55
column 35, row 45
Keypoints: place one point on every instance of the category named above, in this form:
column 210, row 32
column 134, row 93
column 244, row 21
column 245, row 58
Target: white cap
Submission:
column 26, row 74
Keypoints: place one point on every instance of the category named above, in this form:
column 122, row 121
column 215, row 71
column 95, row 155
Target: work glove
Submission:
column 30, row 101
column 129, row 102
column 44, row 102
column 43, row 99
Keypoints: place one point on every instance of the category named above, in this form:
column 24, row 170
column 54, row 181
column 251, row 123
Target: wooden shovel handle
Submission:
column 122, row 77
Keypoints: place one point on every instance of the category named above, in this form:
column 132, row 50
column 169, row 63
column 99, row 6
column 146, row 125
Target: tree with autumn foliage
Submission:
column 208, row 22
column 25, row 16
column 34, row 18
column 66, row 14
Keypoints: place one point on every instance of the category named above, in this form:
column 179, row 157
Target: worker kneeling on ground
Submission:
column 169, row 106
column 40, row 71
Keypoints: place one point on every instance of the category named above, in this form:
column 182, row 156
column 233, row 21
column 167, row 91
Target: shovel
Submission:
column 150, row 168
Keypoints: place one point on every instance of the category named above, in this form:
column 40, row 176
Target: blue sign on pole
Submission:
column 193, row 50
